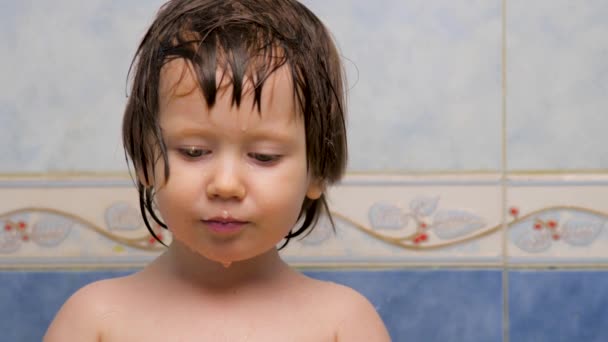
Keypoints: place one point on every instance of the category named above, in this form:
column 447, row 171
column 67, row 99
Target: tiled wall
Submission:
column 476, row 205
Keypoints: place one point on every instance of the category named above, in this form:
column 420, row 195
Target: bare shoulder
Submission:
column 81, row 316
column 356, row 317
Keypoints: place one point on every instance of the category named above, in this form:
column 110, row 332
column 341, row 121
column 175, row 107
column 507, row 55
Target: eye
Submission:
column 193, row 152
column 265, row 158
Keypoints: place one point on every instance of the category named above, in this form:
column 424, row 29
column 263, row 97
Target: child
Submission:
column 235, row 126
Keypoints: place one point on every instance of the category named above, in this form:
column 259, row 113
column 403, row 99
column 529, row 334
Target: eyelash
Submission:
column 196, row 153
column 193, row 152
column 265, row 158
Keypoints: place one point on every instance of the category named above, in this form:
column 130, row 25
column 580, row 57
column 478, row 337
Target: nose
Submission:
column 225, row 181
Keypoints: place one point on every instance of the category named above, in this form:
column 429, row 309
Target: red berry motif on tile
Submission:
column 514, row 211
column 25, row 238
column 420, row 238
column 538, row 226
column 552, row 224
column 22, row 225
column 556, row 237
column 8, row 227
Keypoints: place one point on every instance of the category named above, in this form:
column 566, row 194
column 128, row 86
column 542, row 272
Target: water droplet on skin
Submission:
column 244, row 125
column 244, row 121
column 226, row 264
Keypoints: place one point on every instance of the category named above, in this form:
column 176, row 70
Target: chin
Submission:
column 227, row 253
column 222, row 257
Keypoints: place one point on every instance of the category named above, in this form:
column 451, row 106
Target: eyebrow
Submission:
column 254, row 134
column 186, row 132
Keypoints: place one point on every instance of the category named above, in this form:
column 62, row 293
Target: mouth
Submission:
column 224, row 225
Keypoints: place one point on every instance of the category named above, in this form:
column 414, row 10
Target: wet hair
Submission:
column 247, row 40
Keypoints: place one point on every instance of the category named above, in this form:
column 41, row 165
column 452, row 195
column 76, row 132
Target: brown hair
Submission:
column 235, row 36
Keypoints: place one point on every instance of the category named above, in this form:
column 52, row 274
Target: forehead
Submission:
column 179, row 80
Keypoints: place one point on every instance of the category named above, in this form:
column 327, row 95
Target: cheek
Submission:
column 182, row 182
column 175, row 198
column 283, row 196
column 164, row 205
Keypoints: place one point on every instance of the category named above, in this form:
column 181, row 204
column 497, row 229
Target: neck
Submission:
column 198, row 271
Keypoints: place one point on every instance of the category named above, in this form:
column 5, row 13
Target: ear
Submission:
column 316, row 187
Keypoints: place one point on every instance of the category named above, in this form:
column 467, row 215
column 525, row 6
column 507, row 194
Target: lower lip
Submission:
column 225, row 228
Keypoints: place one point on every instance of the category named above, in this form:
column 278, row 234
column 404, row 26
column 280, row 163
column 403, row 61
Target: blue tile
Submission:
column 446, row 305
column 415, row 305
column 558, row 306
column 29, row 300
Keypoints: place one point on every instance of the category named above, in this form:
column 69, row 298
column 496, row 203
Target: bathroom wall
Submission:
column 475, row 207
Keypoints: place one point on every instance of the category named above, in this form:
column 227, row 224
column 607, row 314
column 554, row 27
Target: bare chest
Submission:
column 272, row 322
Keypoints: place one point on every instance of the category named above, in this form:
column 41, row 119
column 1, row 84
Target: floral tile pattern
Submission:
column 377, row 221
column 91, row 223
column 558, row 220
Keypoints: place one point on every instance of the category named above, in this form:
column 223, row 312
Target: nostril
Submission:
column 226, row 190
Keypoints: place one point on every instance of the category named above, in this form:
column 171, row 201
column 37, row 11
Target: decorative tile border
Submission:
column 558, row 220
column 95, row 224
column 409, row 220
column 381, row 220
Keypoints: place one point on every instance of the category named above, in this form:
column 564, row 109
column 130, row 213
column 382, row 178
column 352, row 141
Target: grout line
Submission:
column 504, row 180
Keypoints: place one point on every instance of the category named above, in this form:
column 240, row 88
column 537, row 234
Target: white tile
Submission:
column 64, row 80
column 557, row 84
column 425, row 82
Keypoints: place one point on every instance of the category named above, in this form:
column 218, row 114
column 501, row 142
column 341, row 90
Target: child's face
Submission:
column 237, row 177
